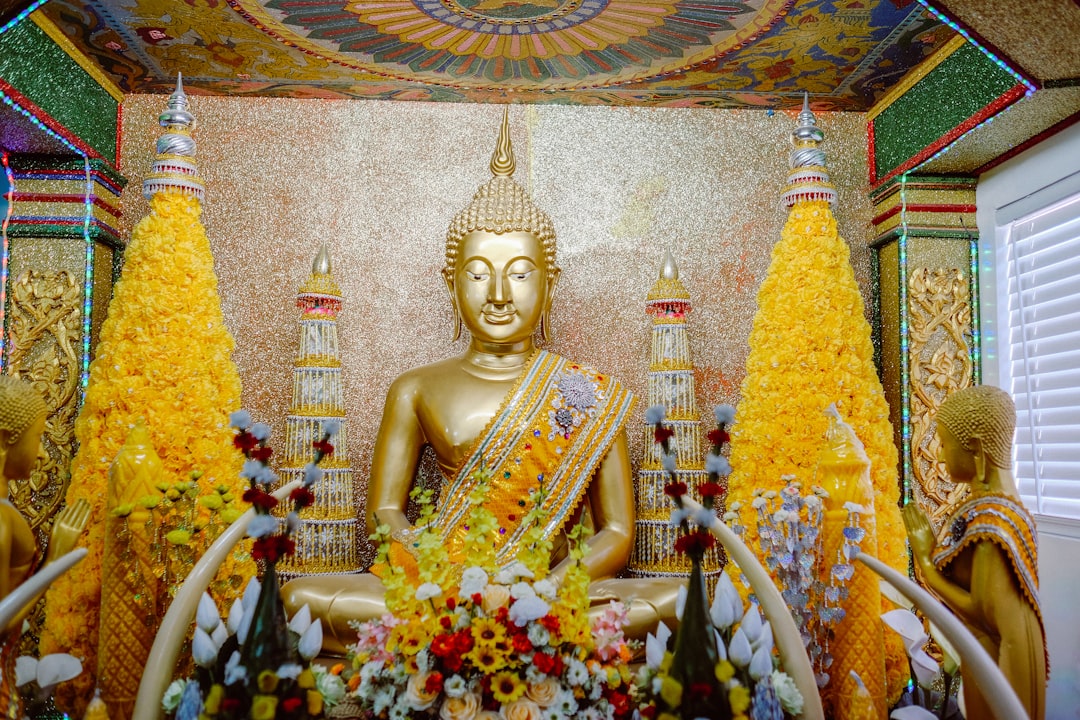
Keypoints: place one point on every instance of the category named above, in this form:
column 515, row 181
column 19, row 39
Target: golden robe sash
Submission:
column 1002, row 521
column 552, row 429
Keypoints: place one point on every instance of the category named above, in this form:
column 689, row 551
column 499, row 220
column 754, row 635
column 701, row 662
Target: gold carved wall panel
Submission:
column 939, row 331
column 44, row 337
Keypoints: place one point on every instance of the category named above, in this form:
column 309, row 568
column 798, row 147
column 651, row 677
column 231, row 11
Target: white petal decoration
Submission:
column 57, row 668
column 721, row 648
column 739, row 652
column 912, row 712
column 720, row 611
column 236, row 614
column 300, row 620
column 311, row 641
column 680, row 602
column 656, row 646
column 751, row 624
column 761, row 664
column 245, row 624
column 926, row 668
column 203, row 649
column 25, row 669
column 765, row 640
column 207, row 616
column 908, row 626
column 251, row 593
column 220, row 635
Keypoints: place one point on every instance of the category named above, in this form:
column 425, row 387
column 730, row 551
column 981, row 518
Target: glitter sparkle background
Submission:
column 378, row 182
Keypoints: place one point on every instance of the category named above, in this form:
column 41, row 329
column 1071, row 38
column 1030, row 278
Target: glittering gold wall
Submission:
column 379, row 182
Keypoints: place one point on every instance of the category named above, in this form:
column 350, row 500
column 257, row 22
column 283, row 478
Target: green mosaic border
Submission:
column 39, row 69
column 958, row 88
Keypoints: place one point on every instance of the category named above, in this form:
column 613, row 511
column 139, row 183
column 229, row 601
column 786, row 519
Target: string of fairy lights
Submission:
column 88, row 216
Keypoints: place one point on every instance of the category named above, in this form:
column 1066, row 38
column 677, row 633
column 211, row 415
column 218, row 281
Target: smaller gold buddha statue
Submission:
column 983, row 565
column 22, row 422
column 528, row 416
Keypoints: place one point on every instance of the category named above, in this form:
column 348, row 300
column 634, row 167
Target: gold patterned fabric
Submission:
column 553, row 429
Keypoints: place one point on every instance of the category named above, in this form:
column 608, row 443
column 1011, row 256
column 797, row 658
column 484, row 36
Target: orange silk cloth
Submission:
column 1000, row 520
column 553, row 429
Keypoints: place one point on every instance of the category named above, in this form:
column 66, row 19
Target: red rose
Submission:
column 521, row 644
column 434, row 683
column 675, row 489
column 718, row 436
column 291, row 705
column 244, row 441
column 262, row 453
column 695, row 543
column 323, row 447
column 663, row 434
column 711, row 490
column 272, row 547
column 260, row 498
column 302, row 497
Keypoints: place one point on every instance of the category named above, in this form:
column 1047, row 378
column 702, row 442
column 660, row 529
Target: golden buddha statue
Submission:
column 528, row 416
column 22, row 422
column 984, row 564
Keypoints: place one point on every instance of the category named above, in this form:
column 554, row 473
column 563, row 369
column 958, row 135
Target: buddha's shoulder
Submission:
column 423, row 377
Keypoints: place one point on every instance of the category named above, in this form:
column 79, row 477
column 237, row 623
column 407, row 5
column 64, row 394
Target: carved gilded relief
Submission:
column 939, row 332
column 43, row 336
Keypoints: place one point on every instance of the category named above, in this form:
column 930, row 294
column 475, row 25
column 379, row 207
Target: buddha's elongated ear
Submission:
column 545, row 319
column 448, row 280
column 979, row 456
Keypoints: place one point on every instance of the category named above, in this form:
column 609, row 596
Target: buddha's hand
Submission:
column 67, row 528
column 920, row 534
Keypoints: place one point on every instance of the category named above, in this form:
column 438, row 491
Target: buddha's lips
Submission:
column 499, row 318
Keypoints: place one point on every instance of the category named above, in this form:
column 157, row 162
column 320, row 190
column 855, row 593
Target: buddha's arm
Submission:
column 921, row 540
column 396, row 454
column 611, row 498
column 6, row 581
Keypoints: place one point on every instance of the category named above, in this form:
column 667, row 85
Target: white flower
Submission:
column 667, row 461
column 679, row 516
column 788, row 693
column 234, row 671
column 546, row 589
column 739, row 651
column 813, row 502
column 171, row 699
column 522, row 591
column 525, row 610
column 539, row 635
column 769, row 494
column 384, row 698
column 761, row 664
column 300, row 621
column 292, row 522
column 266, row 476
column 726, row 592
column 220, row 635
column 765, row 640
column 251, row 593
column 240, row 419
column 724, row 414
column 852, row 507
column 704, row 517
column 331, row 686
column 455, row 686
column 400, row 711
column 207, row 616
column 566, row 702
column 203, row 650
column 655, row 414
column 291, row 671
column 312, row 474
column 720, row 611
column 260, row 431
column 758, row 503
column 331, row 427
column 473, row 581
column 717, row 464
column 780, row 516
column 721, row 648
column 512, row 573
column 730, row 516
column 576, row 672
column 262, row 525
column 427, row 591
column 245, row 624
column 310, row 642
column 656, row 646
column 251, row 469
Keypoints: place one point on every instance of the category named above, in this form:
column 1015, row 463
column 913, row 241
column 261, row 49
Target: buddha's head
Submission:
column 972, row 423
column 22, row 421
column 500, row 258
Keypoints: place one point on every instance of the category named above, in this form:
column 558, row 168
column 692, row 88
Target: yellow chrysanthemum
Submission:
column 739, row 697
column 164, row 355
column 810, row 346
column 506, row 687
column 671, row 691
column 724, row 671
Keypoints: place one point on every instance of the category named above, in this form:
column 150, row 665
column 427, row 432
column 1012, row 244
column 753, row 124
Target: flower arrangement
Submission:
column 257, row 664
column 482, row 641
column 722, row 664
column 789, row 530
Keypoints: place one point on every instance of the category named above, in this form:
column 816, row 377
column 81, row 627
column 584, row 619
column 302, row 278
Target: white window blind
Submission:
column 1044, row 355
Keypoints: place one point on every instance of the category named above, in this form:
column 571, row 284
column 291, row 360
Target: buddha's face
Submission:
column 500, row 285
column 24, row 453
column 959, row 461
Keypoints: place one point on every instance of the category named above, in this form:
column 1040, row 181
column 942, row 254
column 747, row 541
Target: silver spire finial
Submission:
column 668, row 269
column 321, row 265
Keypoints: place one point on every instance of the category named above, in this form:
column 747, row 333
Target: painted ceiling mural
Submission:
column 694, row 53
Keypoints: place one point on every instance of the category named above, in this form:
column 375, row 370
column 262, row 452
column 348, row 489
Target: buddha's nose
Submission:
column 498, row 290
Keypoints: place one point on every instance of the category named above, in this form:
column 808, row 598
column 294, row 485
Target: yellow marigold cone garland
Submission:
column 164, row 357
column 810, row 347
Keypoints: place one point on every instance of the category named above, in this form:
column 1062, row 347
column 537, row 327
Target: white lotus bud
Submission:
column 751, row 624
column 311, row 641
column 761, row 664
column 236, row 614
column 739, row 652
column 203, row 649
column 301, row 620
column 207, row 616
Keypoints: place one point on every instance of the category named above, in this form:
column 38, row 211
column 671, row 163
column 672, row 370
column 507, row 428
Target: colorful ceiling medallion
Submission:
column 554, row 44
